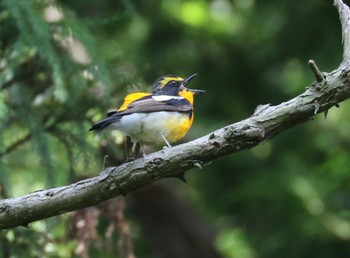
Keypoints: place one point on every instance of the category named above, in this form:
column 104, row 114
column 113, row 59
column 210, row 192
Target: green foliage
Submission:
column 64, row 64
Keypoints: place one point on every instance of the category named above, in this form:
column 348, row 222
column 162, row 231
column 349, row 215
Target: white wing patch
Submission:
column 165, row 97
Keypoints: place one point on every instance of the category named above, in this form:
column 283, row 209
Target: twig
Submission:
column 316, row 71
column 15, row 145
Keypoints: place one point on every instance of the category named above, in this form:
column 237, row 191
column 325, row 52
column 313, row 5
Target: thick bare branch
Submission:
column 266, row 122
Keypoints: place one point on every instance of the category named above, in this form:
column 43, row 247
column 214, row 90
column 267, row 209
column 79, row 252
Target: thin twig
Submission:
column 15, row 145
column 316, row 71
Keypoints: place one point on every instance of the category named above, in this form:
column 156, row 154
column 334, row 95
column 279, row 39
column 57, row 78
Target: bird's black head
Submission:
column 171, row 85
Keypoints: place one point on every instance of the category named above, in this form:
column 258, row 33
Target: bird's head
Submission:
column 173, row 85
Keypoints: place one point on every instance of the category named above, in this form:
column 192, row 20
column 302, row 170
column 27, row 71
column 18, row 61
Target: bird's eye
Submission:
column 172, row 83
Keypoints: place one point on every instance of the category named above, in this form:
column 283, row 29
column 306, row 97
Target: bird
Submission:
column 159, row 118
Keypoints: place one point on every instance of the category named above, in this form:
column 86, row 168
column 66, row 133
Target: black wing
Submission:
column 148, row 104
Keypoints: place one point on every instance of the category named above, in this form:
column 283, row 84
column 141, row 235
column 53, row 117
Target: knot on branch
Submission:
column 214, row 140
column 246, row 131
column 4, row 208
column 261, row 108
column 255, row 133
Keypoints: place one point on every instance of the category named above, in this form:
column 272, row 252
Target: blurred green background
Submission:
column 64, row 64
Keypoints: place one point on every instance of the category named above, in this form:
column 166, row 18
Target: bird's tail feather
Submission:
column 100, row 125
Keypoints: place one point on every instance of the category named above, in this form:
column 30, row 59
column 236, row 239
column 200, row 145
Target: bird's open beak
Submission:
column 187, row 80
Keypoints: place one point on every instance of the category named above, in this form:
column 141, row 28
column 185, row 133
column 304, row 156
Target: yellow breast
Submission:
column 178, row 127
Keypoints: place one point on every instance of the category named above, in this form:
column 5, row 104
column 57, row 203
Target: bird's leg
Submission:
column 128, row 145
column 143, row 150
column 104, row 162
column 128, row 148
column 136, row 149
column 165, row 140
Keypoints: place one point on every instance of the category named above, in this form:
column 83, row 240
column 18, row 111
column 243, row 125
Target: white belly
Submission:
column 148, row 127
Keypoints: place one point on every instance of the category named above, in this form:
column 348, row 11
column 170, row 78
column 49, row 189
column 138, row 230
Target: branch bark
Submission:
column 327, row 91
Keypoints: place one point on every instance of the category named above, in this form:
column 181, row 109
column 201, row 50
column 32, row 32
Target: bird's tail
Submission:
column 100, row 125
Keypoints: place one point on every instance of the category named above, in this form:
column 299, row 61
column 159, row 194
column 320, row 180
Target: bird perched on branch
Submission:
column 158, row 118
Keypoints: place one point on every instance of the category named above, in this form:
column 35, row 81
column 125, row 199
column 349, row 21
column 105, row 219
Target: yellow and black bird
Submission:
column 158, row 118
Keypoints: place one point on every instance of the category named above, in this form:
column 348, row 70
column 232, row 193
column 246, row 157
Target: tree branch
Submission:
column 344, row 15
column 266, row 122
